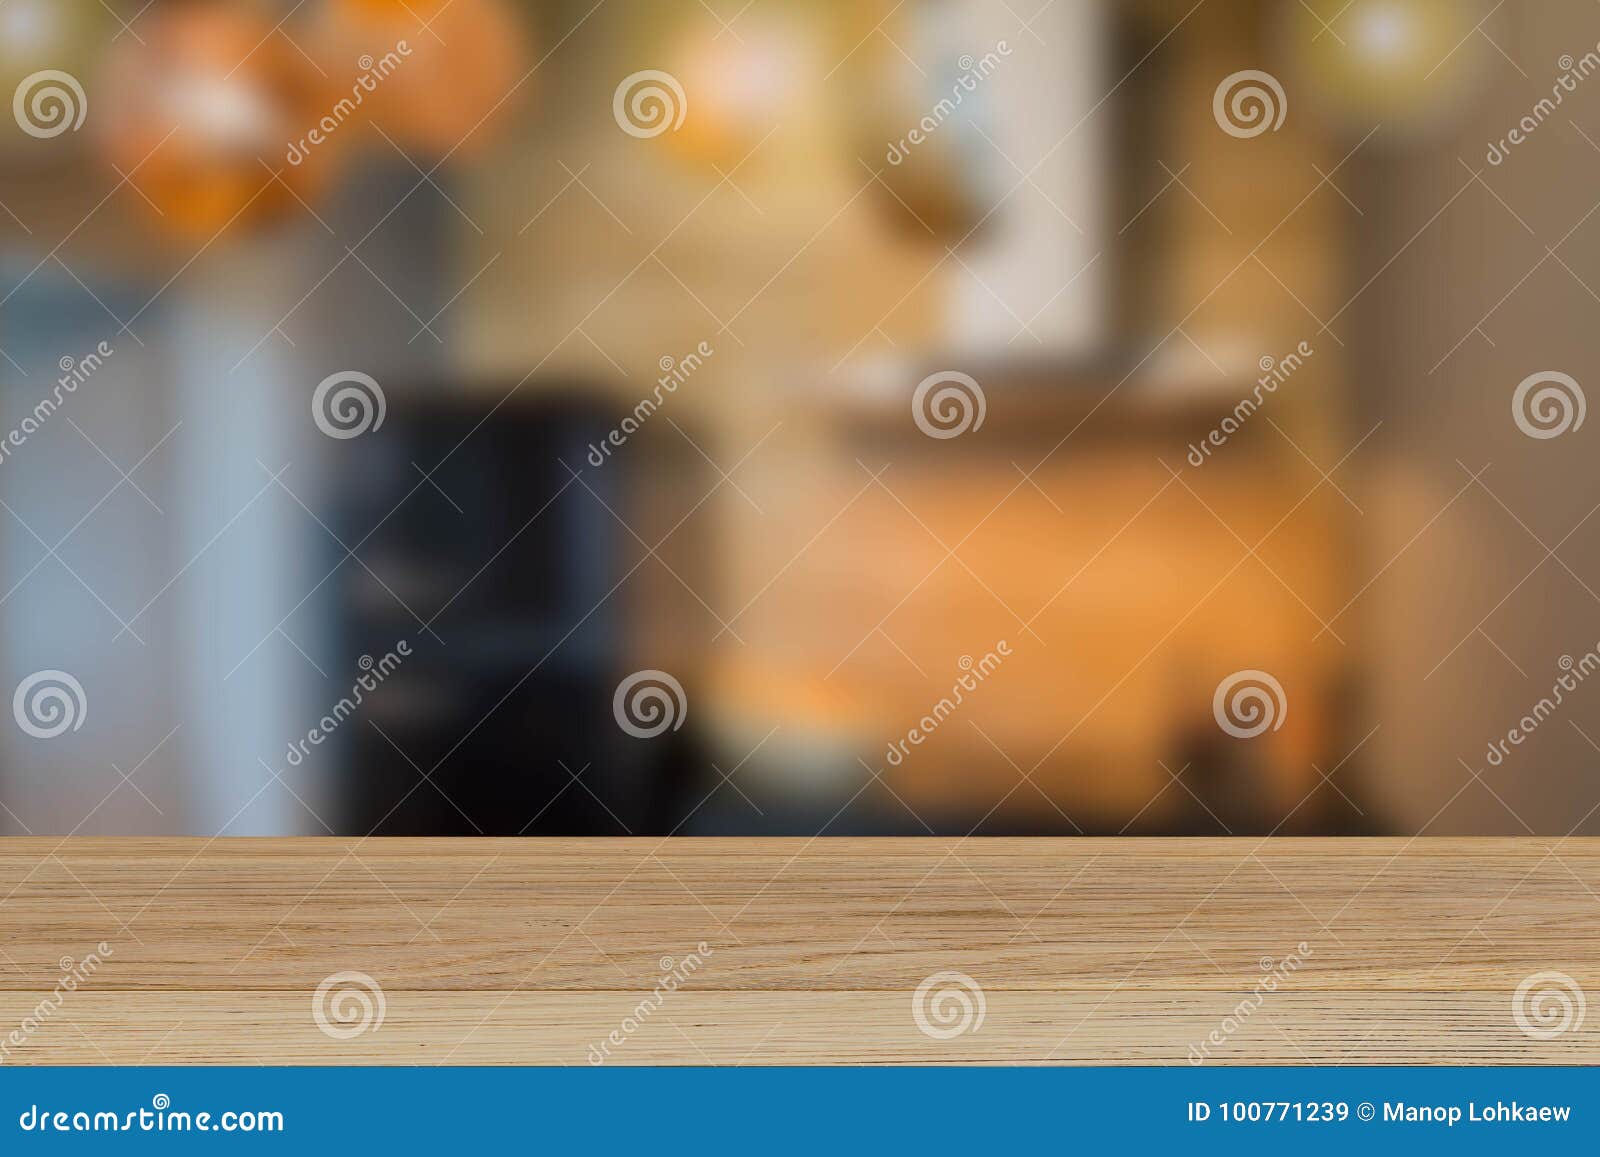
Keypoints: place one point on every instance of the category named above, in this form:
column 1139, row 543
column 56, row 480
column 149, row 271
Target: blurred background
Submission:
column 625, row 417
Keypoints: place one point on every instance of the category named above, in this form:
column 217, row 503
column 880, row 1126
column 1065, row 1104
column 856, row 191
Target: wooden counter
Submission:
column 1086, row 951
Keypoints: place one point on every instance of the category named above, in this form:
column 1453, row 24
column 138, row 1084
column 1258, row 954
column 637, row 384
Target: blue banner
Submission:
column 798, row 1110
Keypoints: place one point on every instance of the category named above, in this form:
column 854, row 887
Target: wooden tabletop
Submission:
column 1084, row 951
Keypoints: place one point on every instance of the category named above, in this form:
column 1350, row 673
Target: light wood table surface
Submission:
column 1087, row 951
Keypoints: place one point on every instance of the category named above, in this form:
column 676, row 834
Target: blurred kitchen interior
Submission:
column 1080, row 236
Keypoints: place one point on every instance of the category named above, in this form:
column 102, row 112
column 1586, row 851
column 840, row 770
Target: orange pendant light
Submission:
column 457, row 75
column 203, row 107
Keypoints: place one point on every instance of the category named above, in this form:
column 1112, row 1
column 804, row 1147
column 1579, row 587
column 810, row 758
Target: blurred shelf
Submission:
column 1031, row 397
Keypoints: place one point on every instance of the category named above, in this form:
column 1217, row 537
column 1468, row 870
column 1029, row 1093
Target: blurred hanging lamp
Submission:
column 1408, row 64
column 455, row 80
column 213, row 97
column 738, row 86
column 199, row 110
column 945, row 182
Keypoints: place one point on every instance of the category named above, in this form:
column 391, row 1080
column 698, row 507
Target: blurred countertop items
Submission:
column 797, row 417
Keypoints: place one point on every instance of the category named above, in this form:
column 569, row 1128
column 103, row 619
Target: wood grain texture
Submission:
column 810, row 951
